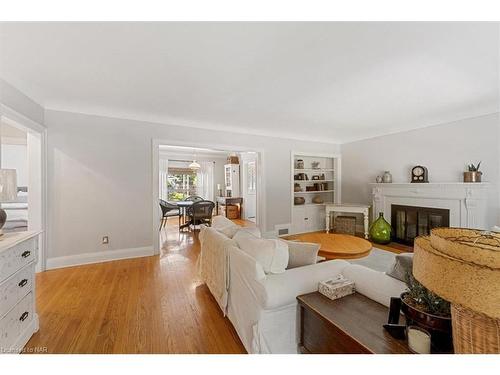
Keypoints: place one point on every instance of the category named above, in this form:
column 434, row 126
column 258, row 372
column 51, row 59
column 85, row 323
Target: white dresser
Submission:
column 18, row 317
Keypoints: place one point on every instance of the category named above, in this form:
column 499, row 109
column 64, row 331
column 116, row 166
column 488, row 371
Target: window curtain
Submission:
column 163, row 179
column 205, row 180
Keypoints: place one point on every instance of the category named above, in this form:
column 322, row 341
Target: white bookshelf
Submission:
column 320, row 181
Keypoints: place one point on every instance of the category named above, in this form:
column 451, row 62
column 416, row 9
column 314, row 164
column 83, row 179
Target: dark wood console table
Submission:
column 227, row 201
column 348, row 325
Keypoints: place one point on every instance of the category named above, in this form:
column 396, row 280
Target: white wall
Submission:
column 444, row 149
column 15, row 99
column 100, row 178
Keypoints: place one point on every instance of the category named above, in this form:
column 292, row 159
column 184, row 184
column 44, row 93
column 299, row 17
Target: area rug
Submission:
column 378, row 260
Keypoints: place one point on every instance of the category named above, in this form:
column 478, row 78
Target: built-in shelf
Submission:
column 310, row 216
column 312, row 204
column 314, row 170
column 313, row 181
column 312, row 192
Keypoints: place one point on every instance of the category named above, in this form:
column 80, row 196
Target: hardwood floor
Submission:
column 143, row 305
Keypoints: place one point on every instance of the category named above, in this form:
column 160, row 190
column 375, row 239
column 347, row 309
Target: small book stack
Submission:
column 337, row 287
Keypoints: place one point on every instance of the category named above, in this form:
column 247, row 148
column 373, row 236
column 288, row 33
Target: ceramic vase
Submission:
column 380, row 230
column 387, row 177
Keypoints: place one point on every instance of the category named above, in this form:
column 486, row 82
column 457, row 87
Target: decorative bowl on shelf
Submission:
column 315, row 165
column 299, row 201
column 318, row 200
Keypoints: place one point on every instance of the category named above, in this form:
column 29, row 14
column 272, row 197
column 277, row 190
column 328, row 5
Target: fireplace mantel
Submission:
column 467, row 202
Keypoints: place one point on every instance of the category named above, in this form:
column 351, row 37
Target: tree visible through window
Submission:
column 181, row 183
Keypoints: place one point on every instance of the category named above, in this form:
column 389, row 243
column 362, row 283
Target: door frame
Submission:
column 260, row 216
column 11, row 114
column 244, row 183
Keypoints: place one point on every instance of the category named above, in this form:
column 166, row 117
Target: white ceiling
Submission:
column 332, row 82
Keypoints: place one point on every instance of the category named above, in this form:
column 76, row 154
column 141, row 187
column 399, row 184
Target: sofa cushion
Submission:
column 402, row 266
column 272, row 254
column 220, row 221
column 252, row 230
column 282, row 290
column 302, row 254
column 228, row 230
column 373, row 284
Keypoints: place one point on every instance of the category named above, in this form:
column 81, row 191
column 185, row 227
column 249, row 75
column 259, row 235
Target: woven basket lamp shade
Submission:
column 463, row 267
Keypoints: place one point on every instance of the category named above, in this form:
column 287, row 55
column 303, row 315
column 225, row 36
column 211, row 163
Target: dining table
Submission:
column 183, row 205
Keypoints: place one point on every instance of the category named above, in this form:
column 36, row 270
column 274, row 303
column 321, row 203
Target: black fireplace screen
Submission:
column 409, row 222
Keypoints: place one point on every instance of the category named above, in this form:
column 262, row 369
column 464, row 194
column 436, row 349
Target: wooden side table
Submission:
column 348, row 325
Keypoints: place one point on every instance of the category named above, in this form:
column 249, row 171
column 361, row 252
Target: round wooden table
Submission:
column 337, row 246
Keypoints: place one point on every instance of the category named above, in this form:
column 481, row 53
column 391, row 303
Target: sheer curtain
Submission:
column 163, row 179
column 205, row 180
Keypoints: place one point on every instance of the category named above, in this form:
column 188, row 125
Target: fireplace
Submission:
column 409, row 222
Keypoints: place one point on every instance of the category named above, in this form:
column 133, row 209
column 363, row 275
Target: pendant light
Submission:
column 194, row 166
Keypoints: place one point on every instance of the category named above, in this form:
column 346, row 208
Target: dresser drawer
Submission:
column 15, row 323
column 25, row 310
column 15, row 288
column 17, row 257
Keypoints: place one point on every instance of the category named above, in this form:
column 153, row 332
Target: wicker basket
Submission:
column 473, row 332
column 462, row 266
column 345, row 224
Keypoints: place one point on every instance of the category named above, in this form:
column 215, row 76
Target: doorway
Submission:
column 22, row 147
column 215, row 173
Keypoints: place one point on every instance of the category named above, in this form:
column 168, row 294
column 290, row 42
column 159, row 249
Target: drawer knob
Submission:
column 23, row 282
column 26, row 254
column 24, row 316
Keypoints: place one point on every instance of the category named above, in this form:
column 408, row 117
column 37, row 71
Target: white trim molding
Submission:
column 467, row 202
column 103, row 256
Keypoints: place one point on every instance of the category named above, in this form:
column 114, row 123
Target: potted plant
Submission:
column 427, row 310
column 473, row 174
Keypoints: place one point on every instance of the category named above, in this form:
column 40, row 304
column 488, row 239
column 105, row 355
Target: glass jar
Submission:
column 380, row 230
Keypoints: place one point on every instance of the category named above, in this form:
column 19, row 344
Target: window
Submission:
column 181, row 183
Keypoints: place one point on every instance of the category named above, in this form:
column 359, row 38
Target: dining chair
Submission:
column 168, row 210
column 200, row 213
column 194, row 198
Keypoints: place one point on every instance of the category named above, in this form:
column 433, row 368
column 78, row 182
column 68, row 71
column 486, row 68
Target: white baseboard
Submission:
column 103, row 256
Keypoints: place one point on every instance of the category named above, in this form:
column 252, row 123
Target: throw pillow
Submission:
column 252, row 230
column 272, row 255
column 403, row 264
column 302, row 254
column 228, row 230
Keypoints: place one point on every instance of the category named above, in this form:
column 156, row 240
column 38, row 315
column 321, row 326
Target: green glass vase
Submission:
column 380, row 230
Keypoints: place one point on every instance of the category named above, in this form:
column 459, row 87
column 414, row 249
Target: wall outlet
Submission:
column 105, row 240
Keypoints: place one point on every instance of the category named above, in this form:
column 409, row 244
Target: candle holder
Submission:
column 419, row 340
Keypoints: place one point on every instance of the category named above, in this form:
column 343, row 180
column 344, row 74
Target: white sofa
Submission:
column 263, row 307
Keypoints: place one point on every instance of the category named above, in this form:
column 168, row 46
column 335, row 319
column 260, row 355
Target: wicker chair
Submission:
column 168, row 210
column 194, row 198
column 200, row 213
